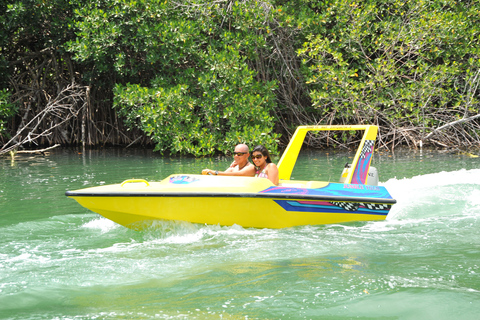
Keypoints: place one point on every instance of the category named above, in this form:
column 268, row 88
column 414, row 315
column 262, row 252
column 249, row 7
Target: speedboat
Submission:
column 249, row 201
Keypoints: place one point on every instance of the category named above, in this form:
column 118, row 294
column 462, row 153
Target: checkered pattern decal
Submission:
column 353, row 206
column 376, row 206
column 367, row 147
column 349, row 206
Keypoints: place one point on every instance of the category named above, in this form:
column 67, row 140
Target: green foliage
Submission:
column 7, row 109
column 219, row 108
column 200, row 76
column 183, row 75
column 31, row 39
column 393, row 61
column 33, row 25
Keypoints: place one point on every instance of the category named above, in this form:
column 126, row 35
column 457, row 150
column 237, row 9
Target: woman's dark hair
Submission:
column 264, row 152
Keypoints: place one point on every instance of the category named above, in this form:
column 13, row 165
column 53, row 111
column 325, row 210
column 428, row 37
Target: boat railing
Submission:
column 135, row 181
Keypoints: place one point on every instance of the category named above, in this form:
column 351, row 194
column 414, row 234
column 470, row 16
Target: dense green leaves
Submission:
column 7, row 109
column 405, row 64
column 182, row 72
column 200, row 76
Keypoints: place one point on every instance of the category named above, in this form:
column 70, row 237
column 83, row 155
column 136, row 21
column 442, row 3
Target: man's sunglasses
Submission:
column 258, row 156
column 239, row 153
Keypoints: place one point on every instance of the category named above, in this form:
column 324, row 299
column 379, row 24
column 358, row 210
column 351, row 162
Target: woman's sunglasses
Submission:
column 258, row 156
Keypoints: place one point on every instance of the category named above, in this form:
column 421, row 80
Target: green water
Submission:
column 60, row 261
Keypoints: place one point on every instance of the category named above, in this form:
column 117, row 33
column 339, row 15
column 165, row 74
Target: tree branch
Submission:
column 451, row 124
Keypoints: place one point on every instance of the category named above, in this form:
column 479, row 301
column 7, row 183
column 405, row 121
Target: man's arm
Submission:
column 247, row 171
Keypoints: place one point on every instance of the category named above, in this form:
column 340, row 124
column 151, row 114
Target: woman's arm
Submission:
column 272, row 173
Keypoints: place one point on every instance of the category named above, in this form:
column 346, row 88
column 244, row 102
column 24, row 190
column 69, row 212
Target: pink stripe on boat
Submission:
column 318, row 203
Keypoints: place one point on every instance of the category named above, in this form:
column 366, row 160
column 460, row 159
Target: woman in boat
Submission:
column 264, row 165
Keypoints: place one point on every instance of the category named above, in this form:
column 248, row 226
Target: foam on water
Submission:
column 102, row 224
column 438, row 194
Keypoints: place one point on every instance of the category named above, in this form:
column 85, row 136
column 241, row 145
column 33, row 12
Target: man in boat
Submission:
column 240, row 165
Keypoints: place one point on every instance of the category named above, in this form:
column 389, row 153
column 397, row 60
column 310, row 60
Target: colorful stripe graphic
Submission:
column 361, row 170
column 336, row 189
column 328, row 207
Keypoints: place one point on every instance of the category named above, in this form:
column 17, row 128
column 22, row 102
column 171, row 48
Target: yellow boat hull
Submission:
column 248, row 202
column 257, row 213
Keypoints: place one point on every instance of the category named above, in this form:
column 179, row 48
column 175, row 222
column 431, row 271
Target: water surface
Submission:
column 60, row 261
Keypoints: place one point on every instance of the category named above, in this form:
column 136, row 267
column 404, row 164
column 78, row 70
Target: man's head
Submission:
column 241, row 153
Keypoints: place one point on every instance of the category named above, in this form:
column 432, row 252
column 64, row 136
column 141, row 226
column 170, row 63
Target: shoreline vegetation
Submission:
column 198, row 77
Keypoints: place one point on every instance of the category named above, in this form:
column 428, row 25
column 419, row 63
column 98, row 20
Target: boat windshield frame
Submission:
column 290, row 155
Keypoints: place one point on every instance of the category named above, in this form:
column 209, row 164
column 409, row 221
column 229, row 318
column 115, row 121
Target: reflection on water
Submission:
column 60, row 261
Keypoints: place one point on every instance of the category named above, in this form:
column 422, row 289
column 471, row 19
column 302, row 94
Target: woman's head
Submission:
column 261, row 149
